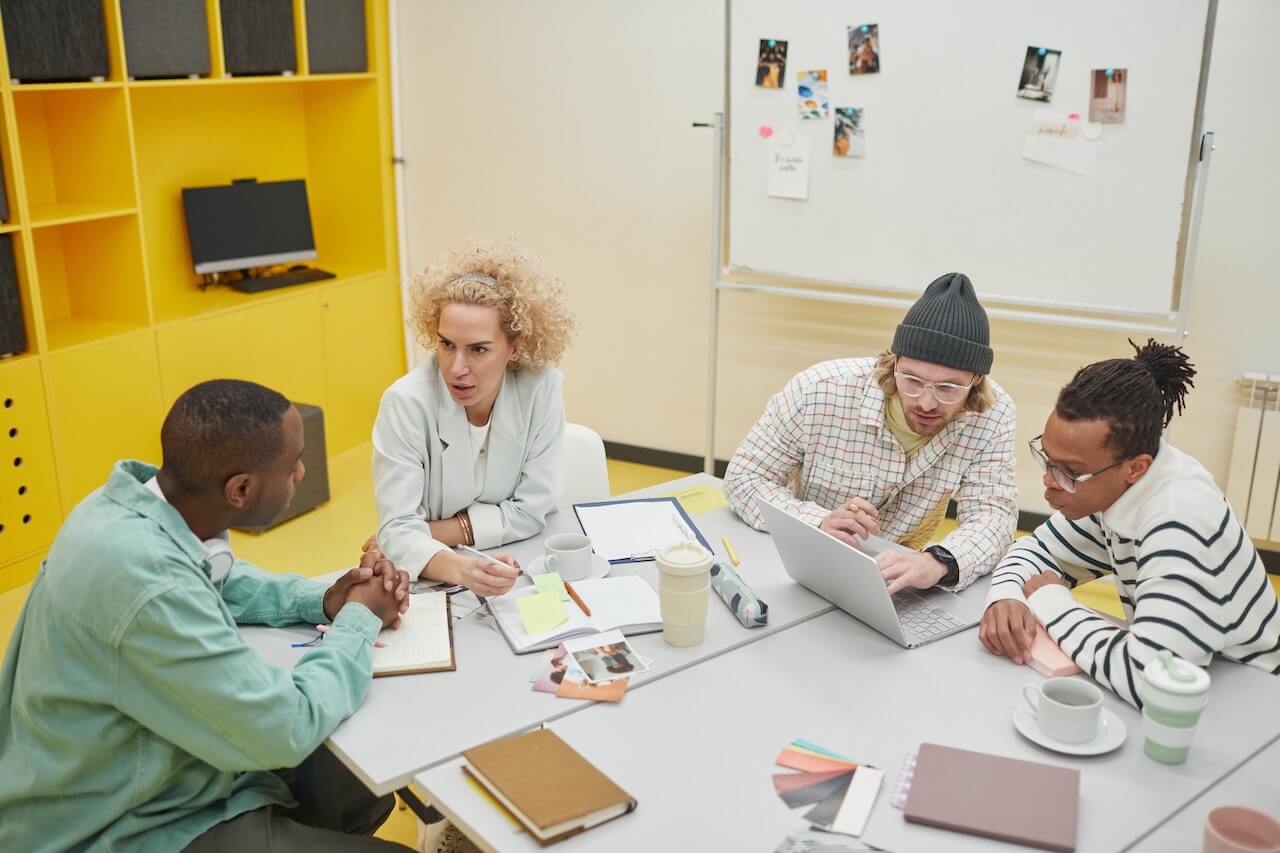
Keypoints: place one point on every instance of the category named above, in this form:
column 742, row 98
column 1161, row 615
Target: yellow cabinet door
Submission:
column 363, row 354
column 104, row 405
column 276, row 343
column 283, row 348
column 30, row 511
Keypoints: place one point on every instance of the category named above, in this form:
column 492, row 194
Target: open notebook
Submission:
column 422, row 643
column 625, row 604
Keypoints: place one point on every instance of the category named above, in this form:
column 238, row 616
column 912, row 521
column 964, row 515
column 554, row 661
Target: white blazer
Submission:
column 424, row 468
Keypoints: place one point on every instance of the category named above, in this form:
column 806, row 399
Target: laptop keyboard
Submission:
column 920, row 621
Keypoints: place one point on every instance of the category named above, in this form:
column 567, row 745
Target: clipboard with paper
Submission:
column 634, row 530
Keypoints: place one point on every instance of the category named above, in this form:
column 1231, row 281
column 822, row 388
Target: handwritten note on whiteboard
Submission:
column 1063, row 141
column 789, row 165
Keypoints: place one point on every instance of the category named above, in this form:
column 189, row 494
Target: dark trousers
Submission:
column 335, row 812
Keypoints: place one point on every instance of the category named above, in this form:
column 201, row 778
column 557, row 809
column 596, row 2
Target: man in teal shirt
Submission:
column 132, row 714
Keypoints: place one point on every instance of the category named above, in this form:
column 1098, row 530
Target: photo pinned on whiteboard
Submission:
column 812, row 92
column 1039, row 73
column 771, row 64
column 1107, row 93
column 849, row 138
column 864, row 49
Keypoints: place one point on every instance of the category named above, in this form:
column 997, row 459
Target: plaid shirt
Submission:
column 822, row 440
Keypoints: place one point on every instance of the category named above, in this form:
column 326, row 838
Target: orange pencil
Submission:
column 582, row 605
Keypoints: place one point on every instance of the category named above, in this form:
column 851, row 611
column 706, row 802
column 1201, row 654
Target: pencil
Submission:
column 582, row 605
column 728, row 547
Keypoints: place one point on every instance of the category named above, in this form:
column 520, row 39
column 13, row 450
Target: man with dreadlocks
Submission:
column 1128, row 503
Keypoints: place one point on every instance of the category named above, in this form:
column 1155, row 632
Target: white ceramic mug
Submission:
column 1066, row 709
column 569, row 555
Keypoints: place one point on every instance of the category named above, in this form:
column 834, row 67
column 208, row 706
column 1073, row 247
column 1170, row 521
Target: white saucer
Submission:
column 1111, row 733
column 599, row 567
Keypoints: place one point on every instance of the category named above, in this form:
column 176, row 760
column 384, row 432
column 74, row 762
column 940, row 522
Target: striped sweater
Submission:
column 1190, row 580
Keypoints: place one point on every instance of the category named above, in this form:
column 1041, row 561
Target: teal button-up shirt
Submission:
column 132, row 714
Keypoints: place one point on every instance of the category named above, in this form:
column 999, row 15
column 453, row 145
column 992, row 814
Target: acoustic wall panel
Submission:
column 257, row 36
column 336, row 36
column 54, row 40
column 165, row 38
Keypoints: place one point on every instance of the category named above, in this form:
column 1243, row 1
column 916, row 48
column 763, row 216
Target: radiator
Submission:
column 1253, row 482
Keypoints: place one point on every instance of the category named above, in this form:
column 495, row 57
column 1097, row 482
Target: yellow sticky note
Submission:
column 541, row 612
column 698, row 499
column 551, row 582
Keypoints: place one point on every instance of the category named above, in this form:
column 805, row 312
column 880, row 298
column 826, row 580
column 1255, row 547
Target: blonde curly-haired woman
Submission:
column 467, row 445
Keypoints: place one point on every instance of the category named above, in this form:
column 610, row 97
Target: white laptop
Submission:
column 850, row 579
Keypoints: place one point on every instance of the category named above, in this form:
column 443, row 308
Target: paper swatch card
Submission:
column 1062, row 141
column 838, row 792
column 789, row 165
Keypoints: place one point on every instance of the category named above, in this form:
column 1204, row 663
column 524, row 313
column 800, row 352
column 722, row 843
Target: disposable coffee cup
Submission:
column 1066, row 709
column 569, row 555
column 684, row 586
column 1173, row 694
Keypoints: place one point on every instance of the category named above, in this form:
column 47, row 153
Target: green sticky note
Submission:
column 551, row 582
column 699, row 499
column 541, row 612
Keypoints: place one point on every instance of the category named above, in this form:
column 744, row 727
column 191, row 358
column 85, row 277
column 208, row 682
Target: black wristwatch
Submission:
column 942, row 555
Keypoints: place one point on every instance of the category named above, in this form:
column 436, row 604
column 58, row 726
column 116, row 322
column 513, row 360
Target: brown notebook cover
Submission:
column 547, row 781
column 1002, row 798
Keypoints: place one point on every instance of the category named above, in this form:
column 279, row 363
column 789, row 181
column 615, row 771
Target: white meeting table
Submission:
column 698, row 750
column 410, row 723
column 1255, row 785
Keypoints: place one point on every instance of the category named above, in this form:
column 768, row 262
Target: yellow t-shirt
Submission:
column 895, row 418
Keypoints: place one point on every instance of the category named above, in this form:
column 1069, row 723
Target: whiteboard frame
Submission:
column 1170, row 322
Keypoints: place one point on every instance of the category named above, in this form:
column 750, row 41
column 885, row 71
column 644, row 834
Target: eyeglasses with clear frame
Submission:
column 945, row 393
column 1068, row 482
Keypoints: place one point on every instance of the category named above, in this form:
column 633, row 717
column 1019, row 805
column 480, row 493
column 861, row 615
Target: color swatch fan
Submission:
column 838, row 792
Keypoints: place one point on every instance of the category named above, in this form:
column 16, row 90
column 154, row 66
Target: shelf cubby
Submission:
column 326, row 135
column 91, row 279
column 74, row 146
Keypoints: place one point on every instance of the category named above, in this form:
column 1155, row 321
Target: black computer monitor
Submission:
column 248, row 224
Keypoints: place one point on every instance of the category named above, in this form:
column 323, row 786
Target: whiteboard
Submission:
column 943, row 185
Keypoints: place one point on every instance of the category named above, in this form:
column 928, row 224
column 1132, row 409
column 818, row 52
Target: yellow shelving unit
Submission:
column 117, row 327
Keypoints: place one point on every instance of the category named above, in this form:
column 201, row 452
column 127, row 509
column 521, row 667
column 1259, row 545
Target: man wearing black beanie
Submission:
column 881, row 445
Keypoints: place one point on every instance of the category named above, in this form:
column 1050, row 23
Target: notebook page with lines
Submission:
column 422, row 643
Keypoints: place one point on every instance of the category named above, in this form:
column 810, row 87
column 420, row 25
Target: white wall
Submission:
column 567, row 125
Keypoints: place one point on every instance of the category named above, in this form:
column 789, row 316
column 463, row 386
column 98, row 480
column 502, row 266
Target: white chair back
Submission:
column 586, row 474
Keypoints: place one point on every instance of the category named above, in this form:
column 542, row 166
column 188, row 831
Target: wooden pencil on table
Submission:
column 582, row 605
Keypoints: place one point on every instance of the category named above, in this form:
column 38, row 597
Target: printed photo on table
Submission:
column 1107, row 93
column 771, row 64
column 849, row 138
column 1039, row 73
column 864, row 49
column 608, row 661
